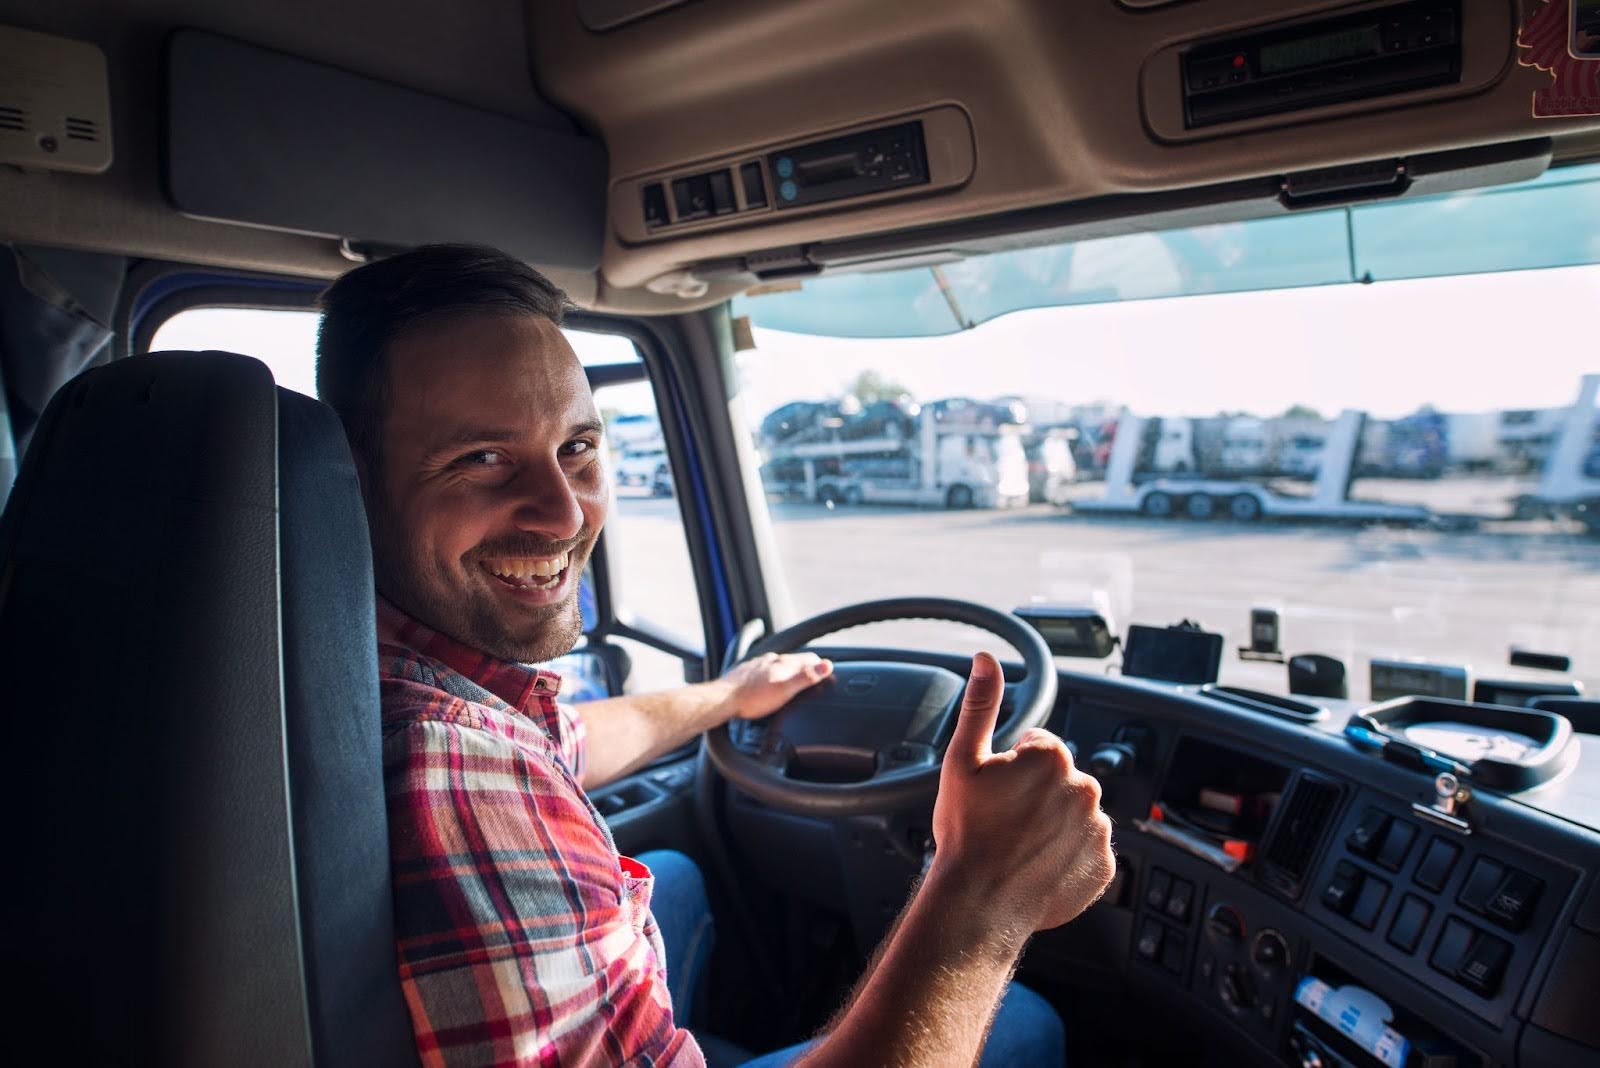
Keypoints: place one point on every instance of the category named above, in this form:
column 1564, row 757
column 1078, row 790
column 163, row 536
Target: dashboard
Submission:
column 1330, row 914
column 1345, row 922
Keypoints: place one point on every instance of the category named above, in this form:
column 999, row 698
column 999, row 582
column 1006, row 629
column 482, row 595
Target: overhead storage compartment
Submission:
column 266, row 139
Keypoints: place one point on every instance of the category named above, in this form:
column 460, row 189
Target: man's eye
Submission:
column 578, row 448
column 483, row 458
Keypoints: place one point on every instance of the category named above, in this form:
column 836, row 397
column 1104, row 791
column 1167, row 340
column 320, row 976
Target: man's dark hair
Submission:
column 371, row 306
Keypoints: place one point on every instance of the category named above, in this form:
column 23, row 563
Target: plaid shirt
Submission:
column 524, row 938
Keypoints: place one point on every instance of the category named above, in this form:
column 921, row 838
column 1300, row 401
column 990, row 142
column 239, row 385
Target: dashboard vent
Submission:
column 1291, row 845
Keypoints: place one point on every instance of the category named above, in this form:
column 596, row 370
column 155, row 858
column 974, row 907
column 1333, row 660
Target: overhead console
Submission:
column 1324, row 66
column 924, row 152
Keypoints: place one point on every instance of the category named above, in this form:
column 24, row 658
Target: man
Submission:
column 523, row 937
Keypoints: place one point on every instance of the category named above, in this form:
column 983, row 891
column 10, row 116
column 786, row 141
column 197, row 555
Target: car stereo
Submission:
column 1307, row 64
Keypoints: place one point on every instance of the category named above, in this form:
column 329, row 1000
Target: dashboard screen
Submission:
column 1172, row 654
column 1314, row 51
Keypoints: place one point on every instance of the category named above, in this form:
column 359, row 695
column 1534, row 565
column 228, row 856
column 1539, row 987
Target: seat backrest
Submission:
column 200, row 863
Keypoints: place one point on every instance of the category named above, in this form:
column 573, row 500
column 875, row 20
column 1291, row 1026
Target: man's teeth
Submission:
column 529, row 568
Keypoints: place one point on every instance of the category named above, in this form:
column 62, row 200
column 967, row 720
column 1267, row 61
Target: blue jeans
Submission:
column 1027, row 1032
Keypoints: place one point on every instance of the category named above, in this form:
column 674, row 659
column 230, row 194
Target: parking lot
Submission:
column 1350, row 592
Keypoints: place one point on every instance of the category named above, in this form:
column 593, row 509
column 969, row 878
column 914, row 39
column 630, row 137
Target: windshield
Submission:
column 1379, row 423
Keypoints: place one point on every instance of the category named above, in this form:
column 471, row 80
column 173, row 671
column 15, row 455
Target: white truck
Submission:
column 939, row 465
column 1570, row 483
column 644, row 463
column 1204, row 497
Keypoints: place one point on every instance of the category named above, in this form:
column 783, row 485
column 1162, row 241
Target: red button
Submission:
column 1238, row 61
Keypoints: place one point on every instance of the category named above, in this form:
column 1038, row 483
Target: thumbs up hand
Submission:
column 1020, row 830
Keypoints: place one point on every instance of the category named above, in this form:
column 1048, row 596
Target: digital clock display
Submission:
column 1315, row 51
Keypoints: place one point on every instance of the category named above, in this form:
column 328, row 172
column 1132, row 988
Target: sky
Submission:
column 1482, row 342
column 1479, row 342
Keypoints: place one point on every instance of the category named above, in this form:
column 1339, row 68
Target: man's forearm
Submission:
column 930, row 997
column 626, row 733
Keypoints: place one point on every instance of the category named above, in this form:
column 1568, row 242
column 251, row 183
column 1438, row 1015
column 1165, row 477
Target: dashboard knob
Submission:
column 1270, row 950
column 1113, row 758
column 1225, row 923
column 1236, row 989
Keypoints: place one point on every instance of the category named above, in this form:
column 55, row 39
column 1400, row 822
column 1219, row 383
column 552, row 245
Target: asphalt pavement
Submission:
column 1459, row 597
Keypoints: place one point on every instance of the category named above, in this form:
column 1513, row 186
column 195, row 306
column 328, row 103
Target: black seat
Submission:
column 199, row 867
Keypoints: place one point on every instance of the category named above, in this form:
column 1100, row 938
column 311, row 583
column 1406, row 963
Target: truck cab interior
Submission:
column 839, row 268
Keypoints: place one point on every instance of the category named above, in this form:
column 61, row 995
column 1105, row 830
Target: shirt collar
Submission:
column 518, row 685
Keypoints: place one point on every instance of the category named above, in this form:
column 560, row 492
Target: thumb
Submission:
column 974, row 734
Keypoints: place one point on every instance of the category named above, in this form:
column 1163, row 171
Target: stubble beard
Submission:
column 476, row 619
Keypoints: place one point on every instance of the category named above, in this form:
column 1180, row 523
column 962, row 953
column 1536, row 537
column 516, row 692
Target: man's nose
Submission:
column 546, row 503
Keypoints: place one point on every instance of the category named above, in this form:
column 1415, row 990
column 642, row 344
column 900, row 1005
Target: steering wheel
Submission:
column 870, row 738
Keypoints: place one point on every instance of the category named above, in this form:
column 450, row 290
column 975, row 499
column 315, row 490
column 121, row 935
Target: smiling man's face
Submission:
column 492, row 489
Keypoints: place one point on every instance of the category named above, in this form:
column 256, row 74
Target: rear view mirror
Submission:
column 1069, row 630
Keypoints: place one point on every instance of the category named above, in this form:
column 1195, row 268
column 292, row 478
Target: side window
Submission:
column 642, row 639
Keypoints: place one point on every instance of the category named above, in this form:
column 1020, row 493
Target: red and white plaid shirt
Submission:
column 524, row 938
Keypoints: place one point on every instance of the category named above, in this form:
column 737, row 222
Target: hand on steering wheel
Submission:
column 871, row 738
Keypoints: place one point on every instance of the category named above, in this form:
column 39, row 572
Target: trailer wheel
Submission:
column 828, row 494
column 1200, row 506
column 959, row 497
column 1157, row 504
column 1244, row 507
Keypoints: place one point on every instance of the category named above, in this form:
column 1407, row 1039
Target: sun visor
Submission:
column 267, row 139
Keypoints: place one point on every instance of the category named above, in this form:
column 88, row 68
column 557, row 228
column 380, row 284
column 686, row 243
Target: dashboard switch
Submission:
column 1482, row 882
column 692, row 197
column 1451, row 949
column 1437, row 864
column 1172, row 949
column 1149, row 945
column 1513, row 902
column 1363, row 841
column 1156, row 890
column 1225, row 923
column 1340, row 895
column 722, row 201
column 1369, row 902
column 655, row 205
column 755, row 190
column 1181, row 898
column 1409, row 920
column 1396, row 845
column 1484, row 965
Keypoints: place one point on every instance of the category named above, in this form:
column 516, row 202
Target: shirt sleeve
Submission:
column 520, row 940
column 574, row 740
